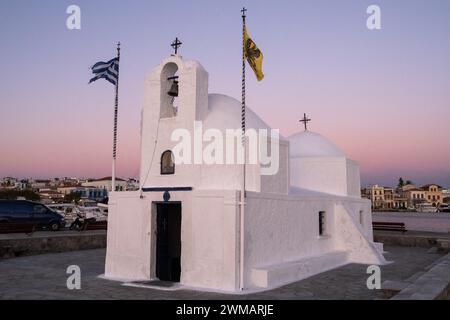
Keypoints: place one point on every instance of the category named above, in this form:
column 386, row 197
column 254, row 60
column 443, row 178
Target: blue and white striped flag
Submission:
column 106, row 70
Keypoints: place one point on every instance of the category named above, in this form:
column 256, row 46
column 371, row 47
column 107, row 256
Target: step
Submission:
column 435, row 263
column 433, row 284
column 414, row 277
column 284, row 273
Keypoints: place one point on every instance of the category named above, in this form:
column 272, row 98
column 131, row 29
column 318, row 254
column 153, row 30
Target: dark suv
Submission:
column 23, row 211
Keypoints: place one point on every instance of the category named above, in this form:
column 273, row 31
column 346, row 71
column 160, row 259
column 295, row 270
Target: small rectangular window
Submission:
column 322, row 223
column 361, row 217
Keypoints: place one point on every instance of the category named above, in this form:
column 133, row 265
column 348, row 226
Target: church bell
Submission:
column 173, row 92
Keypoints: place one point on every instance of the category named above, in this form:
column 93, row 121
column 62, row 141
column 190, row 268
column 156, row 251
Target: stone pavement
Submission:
column 44, row 277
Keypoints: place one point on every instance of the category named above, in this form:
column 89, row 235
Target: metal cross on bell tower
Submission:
column 305, row 121
column 244, row 10
column 176, row 44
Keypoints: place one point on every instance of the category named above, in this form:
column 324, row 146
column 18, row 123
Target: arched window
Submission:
column 167, row 163
column 169, row 90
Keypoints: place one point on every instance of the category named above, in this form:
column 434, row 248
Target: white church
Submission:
column 186, row 225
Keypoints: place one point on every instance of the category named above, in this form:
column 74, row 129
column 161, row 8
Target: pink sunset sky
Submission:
column 382, row 96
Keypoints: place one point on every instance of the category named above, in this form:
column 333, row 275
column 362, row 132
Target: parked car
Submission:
column 23, row 211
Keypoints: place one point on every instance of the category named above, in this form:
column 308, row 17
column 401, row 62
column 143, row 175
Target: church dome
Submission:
column 311, row 144
column 224, row 112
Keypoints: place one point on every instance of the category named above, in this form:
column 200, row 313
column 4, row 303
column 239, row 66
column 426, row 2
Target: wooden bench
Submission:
column 389, row 226
column 95, row 225
column 7, row 227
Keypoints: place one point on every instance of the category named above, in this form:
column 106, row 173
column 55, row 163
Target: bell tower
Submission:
column 176, row 95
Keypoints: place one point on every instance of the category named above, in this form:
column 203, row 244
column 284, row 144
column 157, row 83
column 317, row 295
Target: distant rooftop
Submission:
column 426, row 186
column 108, row 179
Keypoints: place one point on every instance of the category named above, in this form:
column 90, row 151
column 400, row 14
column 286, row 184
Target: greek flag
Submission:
column 106, row 70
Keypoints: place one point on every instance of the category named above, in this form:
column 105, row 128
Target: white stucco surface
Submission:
column 224, row 112
column 317, row 164
column 282, row 235
column 310, row 144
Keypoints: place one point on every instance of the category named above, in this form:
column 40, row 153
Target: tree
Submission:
column 401, row 183
column 409, row 182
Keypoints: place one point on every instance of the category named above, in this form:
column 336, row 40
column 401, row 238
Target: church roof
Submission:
column 224, row 112
column 311, row 144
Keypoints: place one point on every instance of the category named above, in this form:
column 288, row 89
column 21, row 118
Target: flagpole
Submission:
column 243, row 140
column 116, row 107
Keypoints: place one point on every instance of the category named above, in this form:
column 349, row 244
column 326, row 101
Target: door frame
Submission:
column 154, row 235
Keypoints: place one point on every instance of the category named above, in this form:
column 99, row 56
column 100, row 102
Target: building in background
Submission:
column 388, row 198
column 67, row 189
column 446, row 196
column 433, row 194
column 106, row 183
column 132, row 184
column 40, row 184
column 86, row 192
column 8, row 182
column 408, row 196
column 415, row 196
column 400, row 201
column 382, row 198
column 92, row 193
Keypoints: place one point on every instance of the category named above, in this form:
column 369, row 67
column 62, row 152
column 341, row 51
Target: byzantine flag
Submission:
column 253, row 55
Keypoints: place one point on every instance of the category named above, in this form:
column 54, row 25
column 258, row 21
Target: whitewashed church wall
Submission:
column 320, row 174
column 285, row 228
column 202, row 93
column 351, row 238
column 131, row 239
column 279, row 182
column 353, row 179
column 210, row 261
column 128, row 239
column 192, row 102
column 228, row 177
column 361, row 212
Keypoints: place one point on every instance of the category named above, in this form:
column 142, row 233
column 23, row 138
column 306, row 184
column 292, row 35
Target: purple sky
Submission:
column 381, row 96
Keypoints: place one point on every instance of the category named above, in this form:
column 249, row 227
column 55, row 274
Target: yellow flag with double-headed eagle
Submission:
column 253, row 55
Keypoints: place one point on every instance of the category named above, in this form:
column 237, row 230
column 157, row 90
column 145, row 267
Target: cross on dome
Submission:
column 305, row 121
